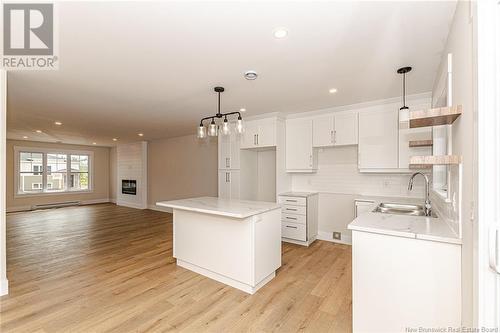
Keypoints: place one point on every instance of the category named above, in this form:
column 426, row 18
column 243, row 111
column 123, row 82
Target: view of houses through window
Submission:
column 41, row 172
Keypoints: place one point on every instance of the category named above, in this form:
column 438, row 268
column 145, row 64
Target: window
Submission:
column 48, row 171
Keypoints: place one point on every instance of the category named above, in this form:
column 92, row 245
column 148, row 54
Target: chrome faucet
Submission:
column 428, row 207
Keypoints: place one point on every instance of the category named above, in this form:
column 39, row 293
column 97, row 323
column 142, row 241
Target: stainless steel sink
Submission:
column 401, row 209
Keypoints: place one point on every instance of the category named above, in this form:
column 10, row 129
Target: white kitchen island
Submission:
column 236, row 242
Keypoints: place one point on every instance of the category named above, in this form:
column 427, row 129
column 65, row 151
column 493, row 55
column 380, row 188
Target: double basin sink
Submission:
column 401, row 209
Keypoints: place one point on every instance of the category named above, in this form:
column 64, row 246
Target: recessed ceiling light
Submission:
column 140, row 134
column 94, row 143
column 332, row 91
column 243, row 110
column 280, row 33
column 25, row 137
column 115, row 139
column 38, row 131
column 58, row 123
column 250, row 75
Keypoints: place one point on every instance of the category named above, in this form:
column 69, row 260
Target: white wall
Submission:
column 3, row 161
column 461, row 43
column 181, row 167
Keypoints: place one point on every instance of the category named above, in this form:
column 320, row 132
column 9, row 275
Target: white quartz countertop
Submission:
column 298, row 194
column 419, row 227
column 224, row 207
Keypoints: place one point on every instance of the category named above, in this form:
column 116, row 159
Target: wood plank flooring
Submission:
column 104, row 268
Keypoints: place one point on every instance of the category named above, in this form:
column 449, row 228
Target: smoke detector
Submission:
column 250, row 75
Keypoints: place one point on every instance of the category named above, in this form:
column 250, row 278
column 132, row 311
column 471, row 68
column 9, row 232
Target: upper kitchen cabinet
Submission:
column 259, row 133
column 378, row 140
column 229, row 150
column 338, row 129
column 300, row 156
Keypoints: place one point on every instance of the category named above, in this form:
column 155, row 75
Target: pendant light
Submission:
column 404, row 70
column 212, row 127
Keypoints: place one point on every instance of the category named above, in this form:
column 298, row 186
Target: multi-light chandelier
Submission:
column 213, row 127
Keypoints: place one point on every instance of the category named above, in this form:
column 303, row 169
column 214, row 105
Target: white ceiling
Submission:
column 130, row 67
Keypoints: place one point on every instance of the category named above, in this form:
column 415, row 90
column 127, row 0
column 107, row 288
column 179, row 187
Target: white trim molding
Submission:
column 4, row 287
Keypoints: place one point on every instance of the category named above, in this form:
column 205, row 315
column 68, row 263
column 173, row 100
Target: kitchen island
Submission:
column 236, row 242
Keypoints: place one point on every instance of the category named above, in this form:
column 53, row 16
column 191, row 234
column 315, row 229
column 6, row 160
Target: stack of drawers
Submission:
column 294, row 218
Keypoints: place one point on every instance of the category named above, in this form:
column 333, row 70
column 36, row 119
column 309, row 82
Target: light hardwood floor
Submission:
column 105, row 268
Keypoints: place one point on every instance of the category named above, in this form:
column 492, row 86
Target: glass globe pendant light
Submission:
column 225, row 127
column 202, row 131
column 212, row 128
column 239, row 125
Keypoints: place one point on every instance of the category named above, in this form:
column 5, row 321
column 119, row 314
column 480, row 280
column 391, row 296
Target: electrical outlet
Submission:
column 337, row 235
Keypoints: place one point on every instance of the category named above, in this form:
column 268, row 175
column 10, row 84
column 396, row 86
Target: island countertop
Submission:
column 223, row 207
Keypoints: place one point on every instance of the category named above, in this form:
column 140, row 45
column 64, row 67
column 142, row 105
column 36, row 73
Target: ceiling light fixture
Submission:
column 58, row 123
column 250, row 75
column 280, row 33
column 38, row 131
column 94, row 143
column 332, row 91
column 212, row 127
column 404, row 70
column 25, row 137
column 115, row 139
column 243, row 110
column 140, row 134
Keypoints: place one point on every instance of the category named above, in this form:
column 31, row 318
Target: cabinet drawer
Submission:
column 289, row 209
column 296, row 201
column 293, row 218
column 293, row 231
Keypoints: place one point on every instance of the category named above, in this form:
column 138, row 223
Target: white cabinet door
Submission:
column 234, row 158
column 266, row 134
column 249, row 136
column 385, row 269
column 234, row 184
column 323, row 128
column 378, row 139
column 346, row 129
column 229, row 184
column 299, row 151
column 224, row 184
column 224, row 144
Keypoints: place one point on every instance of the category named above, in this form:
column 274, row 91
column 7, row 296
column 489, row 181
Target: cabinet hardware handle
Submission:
column 331, row 137
column 227, row 162
column 290, row 200
column 335, row 136
column 293, row 210
column 291, row 218
column 257, row 139
column 289, row 226
column 493, row 252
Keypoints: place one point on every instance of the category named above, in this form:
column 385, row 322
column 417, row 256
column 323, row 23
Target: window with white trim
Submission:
column 52, row 171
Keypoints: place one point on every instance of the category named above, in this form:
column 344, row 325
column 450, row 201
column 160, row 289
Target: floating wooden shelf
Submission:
column 420, row 166
column 420, row 143
column 435, row 117
column 435, row 160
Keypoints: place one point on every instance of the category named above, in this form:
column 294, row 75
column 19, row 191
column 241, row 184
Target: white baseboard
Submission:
column 4, row 287
column 112, row 200
column 15, row 209
column 160, row 209
column 131, row 205
column 327, row 236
